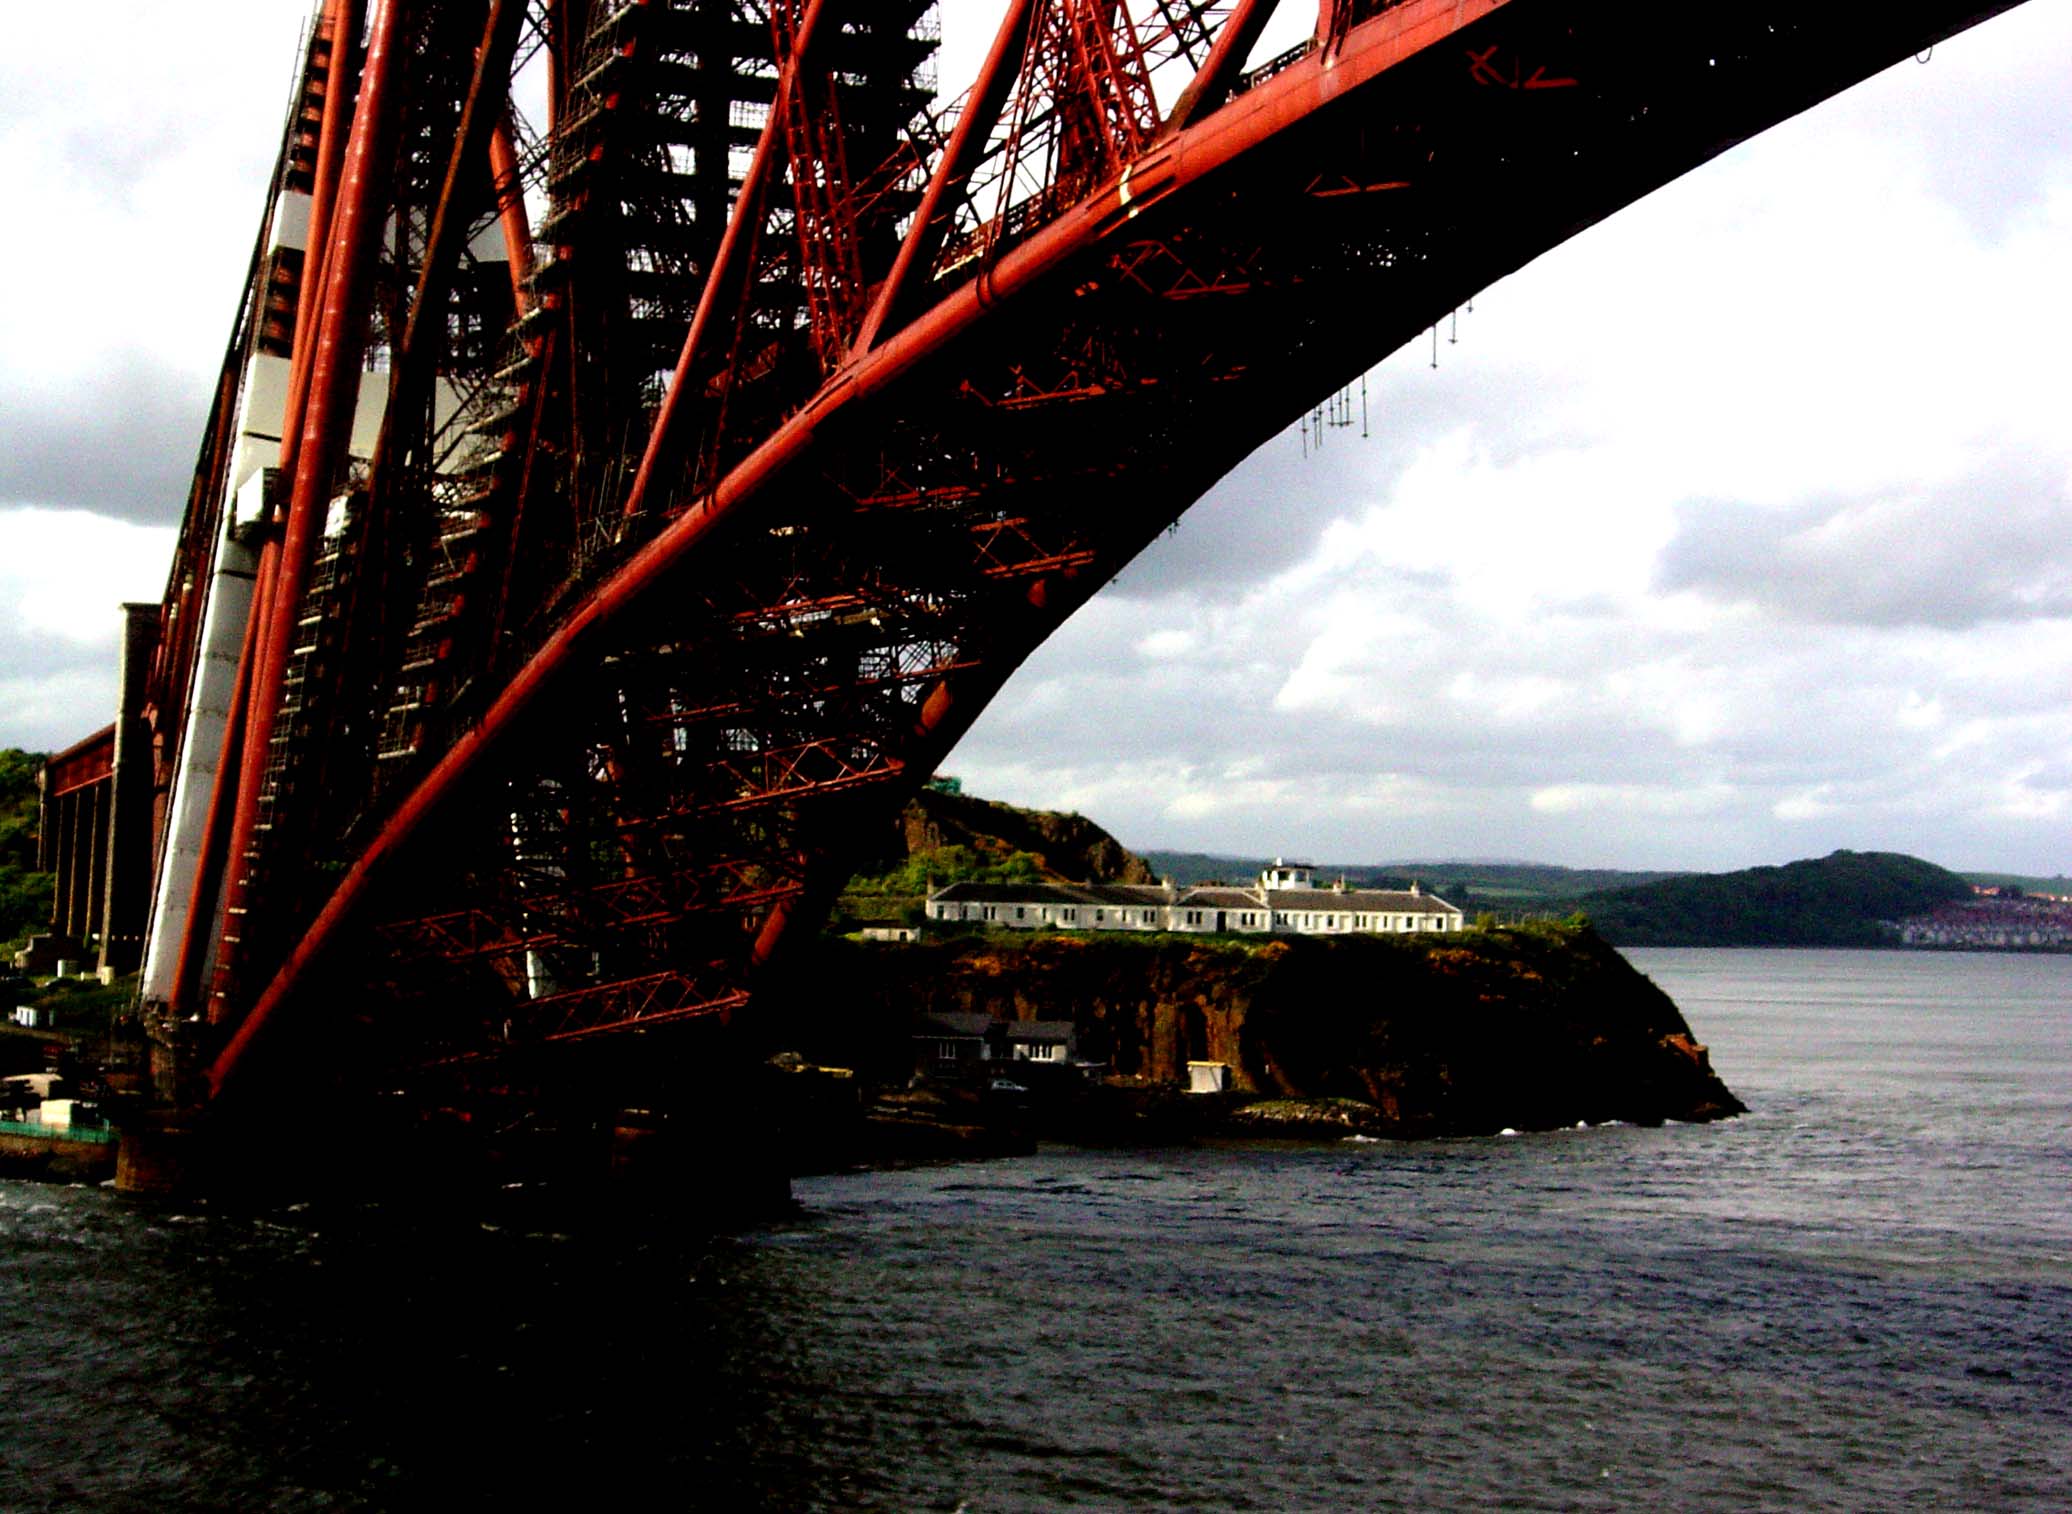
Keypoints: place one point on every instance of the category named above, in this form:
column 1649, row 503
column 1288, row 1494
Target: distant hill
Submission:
column 2058, row 886
column 1837, row 900
column 950, row 838
column 1510, row 887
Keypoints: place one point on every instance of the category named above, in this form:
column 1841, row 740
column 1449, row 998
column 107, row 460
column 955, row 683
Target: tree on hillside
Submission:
column 1837, row 900
column 25, row 894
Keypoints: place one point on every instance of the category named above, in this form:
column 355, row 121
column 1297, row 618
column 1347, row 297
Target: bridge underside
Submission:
column 591, row 724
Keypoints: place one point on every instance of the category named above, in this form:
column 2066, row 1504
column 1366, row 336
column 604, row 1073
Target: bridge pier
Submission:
column 159, row 1155
column 696, row 1154
column 126, row 899
column 706, row 1168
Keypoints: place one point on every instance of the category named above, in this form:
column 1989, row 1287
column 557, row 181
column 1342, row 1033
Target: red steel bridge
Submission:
column 654, row 429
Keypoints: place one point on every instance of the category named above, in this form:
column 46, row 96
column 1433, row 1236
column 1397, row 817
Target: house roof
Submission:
column 1010, row 893
column 1126, row 894
column 1040, row 1030
column 954, row 1023
column 1221, row 898
column 1049, row 893
column 1360, row 901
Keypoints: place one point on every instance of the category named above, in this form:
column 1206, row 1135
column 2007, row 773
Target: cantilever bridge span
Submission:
column 613, row 508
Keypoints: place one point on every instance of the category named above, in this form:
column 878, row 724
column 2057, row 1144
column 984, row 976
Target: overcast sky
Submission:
column 1736, row 530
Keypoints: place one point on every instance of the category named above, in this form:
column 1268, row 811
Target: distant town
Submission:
column 1997, row 919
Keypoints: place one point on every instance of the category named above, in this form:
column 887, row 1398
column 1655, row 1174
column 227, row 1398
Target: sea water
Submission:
column 1859, row 1296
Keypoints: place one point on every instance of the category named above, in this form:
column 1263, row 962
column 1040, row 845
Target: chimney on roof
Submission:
column 1413, row 888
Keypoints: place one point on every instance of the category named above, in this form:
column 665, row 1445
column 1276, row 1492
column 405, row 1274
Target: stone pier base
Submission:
column 158, row 1157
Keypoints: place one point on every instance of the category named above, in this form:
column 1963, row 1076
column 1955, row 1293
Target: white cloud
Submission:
column 1498, row 627
column 66, row 573
column 1632, row 799
column 2023, row 798
column 142, row 170
column 1732, row 531
column 1813, row 804
column 1165, row 645
column 64, row 576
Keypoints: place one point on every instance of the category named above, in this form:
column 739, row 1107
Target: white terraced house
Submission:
column 1285, row 901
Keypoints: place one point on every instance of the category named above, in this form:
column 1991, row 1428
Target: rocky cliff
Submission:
column 942, row 837
column 1527, row 1028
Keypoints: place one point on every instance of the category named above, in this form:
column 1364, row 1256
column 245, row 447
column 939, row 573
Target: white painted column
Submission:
column 194, row 780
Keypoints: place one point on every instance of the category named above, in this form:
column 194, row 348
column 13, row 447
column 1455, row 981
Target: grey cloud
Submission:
column 1267, row 513
column 123, row 444
column 47, row 681
column 1986, row 113
column 1989, row 549
column 1990, row 187
column 1213, row 709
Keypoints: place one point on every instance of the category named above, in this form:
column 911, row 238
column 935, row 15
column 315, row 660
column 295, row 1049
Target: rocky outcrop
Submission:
column 1068, row 847
column 1525, row 1028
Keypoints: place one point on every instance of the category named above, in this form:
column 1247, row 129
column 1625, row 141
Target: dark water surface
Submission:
column 1858, row 1297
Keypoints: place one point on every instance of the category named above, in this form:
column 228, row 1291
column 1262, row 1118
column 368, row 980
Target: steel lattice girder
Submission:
column 1064, row 402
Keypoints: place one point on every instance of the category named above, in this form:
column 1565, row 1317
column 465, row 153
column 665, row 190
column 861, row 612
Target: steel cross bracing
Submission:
column 668, row 482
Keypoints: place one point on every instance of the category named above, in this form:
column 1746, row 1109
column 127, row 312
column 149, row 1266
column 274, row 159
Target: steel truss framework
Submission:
column 746, row 420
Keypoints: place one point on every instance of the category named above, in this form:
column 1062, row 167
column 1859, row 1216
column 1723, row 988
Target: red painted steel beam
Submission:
column 947, row 711
column 509, row 190
column 85, row 762
column 208, row 866
column 915, row 264
column 481, row 116
column 732, row 266
column 587, row 631
column 424, row 333
column 179, row 624
column 1212, row 82
column 560, row 59
column 346, row 18
column 325, row 428
column 1214, row 143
